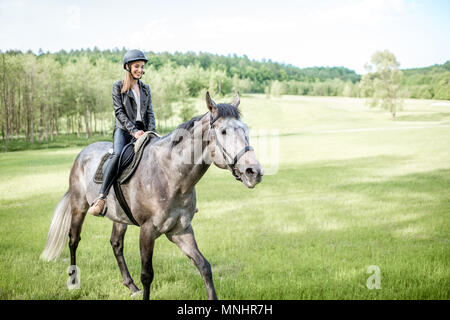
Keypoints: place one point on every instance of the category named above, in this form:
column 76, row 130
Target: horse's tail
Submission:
column 59, row 229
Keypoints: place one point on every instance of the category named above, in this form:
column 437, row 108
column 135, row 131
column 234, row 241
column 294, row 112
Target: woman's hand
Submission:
column 138, row 134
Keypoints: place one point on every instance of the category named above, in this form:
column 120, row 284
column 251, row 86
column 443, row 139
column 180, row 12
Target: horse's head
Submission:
column 230, row 147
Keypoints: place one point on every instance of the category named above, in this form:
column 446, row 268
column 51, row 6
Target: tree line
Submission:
column 428, row 83
column 47, row 94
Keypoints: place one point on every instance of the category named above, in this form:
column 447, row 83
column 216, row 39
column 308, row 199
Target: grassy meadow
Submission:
column 346, row 188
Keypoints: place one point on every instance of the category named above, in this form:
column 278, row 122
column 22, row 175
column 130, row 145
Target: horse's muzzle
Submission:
column 253, row 175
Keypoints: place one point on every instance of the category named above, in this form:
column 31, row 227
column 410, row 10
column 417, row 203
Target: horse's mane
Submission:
column 224, row 110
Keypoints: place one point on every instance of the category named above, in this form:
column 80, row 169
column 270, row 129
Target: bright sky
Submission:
column 303, row 33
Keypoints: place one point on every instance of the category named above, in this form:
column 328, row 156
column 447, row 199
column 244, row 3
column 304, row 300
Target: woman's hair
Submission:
column 126, row 84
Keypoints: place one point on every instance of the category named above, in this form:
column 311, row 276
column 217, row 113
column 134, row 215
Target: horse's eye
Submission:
column 224, row 131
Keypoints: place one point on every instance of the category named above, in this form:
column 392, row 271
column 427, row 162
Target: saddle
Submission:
column 129, row 160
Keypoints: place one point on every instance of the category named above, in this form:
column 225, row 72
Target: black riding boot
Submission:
column 110, row 174
column 121, row 139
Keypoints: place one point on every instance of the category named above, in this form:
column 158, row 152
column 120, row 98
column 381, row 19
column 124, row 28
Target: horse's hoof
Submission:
column 136, row 294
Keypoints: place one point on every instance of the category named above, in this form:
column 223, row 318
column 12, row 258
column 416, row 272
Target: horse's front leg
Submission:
column 186, row 242
column 147, row 242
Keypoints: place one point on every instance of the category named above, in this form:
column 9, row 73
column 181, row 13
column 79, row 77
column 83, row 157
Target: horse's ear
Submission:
column 210, row 103
column 236, row 101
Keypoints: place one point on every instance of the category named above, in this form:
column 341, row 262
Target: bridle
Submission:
column 225, row 154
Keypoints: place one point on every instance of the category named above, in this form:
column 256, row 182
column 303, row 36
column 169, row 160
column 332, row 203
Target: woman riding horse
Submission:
column 134, row 114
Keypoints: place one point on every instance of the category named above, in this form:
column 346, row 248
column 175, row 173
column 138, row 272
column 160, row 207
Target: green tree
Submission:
column 219, row 83
column 187, row 111
column 5, row 102
column 442, row 87
column 241, row 85
column 383, row 82
column 277, row 89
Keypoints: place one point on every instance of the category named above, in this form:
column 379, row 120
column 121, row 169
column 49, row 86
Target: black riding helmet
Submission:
column 133, row 55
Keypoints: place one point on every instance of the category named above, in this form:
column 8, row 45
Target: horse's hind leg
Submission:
column 186, row 242
column 117, row 236
column 78, row 214
column 74, row 234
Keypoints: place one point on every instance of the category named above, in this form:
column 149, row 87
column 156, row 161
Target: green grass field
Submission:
column 351, row 189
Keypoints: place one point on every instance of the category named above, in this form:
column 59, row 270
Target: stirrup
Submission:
column 105, row 209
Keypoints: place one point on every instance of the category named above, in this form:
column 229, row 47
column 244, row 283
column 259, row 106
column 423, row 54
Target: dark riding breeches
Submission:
column 121, row 139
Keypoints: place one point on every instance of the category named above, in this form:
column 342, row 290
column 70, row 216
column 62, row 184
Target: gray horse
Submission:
column 161, row 193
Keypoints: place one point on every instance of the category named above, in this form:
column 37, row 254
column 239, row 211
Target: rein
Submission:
column 231, row 165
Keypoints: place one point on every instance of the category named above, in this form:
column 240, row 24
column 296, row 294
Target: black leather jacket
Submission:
column 125, row 108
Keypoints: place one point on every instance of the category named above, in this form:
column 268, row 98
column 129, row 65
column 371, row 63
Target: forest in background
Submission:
column 48, row 94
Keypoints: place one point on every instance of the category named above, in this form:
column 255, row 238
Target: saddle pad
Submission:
column 139, row 145
column 98, row 177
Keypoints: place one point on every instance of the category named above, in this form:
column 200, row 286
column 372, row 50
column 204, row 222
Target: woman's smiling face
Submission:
column 137, row 69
